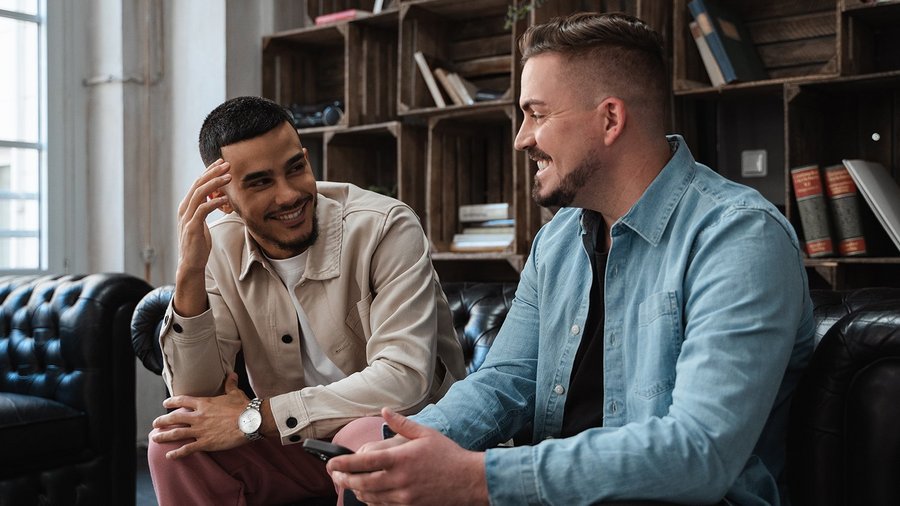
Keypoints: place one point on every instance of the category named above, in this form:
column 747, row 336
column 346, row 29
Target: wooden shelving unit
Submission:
column 834, row 69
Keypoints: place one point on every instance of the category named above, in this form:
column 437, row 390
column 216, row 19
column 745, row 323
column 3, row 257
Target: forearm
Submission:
column 189, row 299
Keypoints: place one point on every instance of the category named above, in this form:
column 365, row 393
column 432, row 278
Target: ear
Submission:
column 613, row 116
column 226, row 207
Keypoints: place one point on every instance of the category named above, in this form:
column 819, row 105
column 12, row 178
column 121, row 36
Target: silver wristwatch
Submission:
column 251, row 420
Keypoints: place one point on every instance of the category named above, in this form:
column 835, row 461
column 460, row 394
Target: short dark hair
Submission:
column 615, row 49
column 236, row 120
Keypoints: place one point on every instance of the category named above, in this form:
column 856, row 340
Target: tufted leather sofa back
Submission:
column 67, row 389
column 843, row 442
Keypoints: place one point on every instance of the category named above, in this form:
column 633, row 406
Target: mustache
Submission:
column 536, row 154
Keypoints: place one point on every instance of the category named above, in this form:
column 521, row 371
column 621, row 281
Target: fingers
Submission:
column 172, row 434
column 404, row 426
column 181, row 401
column 183, row 451
column 215, row 177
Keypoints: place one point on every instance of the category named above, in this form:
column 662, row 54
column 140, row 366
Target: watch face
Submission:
column 249, row 421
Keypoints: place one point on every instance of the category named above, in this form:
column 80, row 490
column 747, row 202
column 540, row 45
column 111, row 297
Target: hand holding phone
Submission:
column 324, row 450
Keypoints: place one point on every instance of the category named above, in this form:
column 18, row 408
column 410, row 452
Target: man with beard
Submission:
column 329, row 292
column 659, row 326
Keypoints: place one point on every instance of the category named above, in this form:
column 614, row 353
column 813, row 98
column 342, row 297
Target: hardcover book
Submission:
column 444, row 77
column 813, row 213
column 843, row 198
column 881, row 192
column 729, row 40
column 709, row 61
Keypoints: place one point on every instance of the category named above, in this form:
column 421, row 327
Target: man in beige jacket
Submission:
column 327, row 289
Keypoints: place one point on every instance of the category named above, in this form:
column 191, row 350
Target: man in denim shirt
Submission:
column 659, row 327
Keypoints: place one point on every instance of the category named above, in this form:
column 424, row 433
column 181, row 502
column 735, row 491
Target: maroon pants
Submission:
column 260, row 472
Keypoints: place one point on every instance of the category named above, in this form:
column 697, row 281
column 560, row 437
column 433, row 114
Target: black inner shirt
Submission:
column 584, row 405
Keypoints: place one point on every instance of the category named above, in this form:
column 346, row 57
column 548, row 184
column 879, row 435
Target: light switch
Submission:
column 753, row 163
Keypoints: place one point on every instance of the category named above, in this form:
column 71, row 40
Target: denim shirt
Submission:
column 708, row 326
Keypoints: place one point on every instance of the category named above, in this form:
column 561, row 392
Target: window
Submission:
column 22, row 135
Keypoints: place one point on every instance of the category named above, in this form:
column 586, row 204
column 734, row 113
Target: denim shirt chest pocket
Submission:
column 657, row 344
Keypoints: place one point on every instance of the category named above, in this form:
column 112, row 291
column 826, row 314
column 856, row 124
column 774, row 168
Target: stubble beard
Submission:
column 569, row 186
column 295, row 246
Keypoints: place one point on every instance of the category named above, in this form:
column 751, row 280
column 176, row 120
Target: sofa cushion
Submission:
column 37, row 432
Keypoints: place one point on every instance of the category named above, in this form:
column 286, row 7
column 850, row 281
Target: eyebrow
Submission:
column 526, row 105
column 267, row 172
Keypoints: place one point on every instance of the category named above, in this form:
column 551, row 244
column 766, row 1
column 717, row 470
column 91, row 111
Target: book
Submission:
column 488, row 230
column 464, row 88
column 344, row 15
column 881, row 192
column 843, row 199
column 483, row 212
column 444, row 78
column 481, row 242
column 813, row 213
column 728, row 40
column 425, row 70
column 709, row 61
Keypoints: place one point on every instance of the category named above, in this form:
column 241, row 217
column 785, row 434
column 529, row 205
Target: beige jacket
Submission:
column 375, row 307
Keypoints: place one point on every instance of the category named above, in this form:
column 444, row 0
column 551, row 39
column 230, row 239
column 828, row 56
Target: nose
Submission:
column 525, row 137
column 284, row 192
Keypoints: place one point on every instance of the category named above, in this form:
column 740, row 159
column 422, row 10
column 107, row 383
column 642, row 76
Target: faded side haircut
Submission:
column 615, row 50
column 239, row 119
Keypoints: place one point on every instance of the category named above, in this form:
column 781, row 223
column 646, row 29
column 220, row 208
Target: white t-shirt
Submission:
column 318, row 369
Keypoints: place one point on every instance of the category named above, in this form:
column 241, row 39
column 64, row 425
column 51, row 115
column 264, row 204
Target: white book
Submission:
column 880, row 191
column 432, row 85
column 484, row 212
column 483, row 243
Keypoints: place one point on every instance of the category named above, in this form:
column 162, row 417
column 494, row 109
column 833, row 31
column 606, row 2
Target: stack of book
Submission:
column 823, row 207
column 486, row 228
column 458, row 89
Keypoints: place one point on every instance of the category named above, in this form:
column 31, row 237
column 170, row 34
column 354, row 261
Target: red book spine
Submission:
column 333, row 17
column 844, row 199
column 812, row 210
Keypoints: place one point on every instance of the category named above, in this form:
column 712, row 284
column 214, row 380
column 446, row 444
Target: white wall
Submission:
column 141, row 75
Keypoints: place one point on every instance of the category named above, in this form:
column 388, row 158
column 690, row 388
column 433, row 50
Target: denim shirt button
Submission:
column 574, row 330
column 559, row 389
column 613, row 407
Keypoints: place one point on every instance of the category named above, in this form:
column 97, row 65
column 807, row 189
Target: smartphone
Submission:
column 324, row 450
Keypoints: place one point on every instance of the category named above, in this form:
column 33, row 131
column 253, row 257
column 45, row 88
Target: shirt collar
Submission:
column 650, row 215
column 324, row 256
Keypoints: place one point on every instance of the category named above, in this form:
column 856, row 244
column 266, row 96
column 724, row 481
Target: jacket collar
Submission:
column 324, row 258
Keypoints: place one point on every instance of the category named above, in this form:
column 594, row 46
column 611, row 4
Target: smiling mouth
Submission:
column 294, row 213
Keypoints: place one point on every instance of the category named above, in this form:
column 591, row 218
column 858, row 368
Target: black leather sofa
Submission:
column 843, row 447
column 67, row 402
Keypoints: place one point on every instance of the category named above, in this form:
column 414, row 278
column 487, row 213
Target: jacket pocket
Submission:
column 358, row 318
column 658, row 343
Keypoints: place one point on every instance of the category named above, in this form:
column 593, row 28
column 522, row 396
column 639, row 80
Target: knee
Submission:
column 156, row 452
column 359, row 432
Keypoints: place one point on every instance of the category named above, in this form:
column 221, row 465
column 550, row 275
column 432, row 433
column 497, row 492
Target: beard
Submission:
column 296, row 245
column 570, row 184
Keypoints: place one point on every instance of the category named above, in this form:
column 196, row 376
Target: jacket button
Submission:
column 177, row 328
column 294, row 439
column 559, row 389
column 286, row 338
column 291, row 422
column 574, row 330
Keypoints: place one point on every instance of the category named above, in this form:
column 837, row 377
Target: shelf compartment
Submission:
column 460, row 37
column 470, row 161
column 793, row 39
column 870, row 37
column 718, row 129
column 387, row 158
column 352, row 62
column 854, row 117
